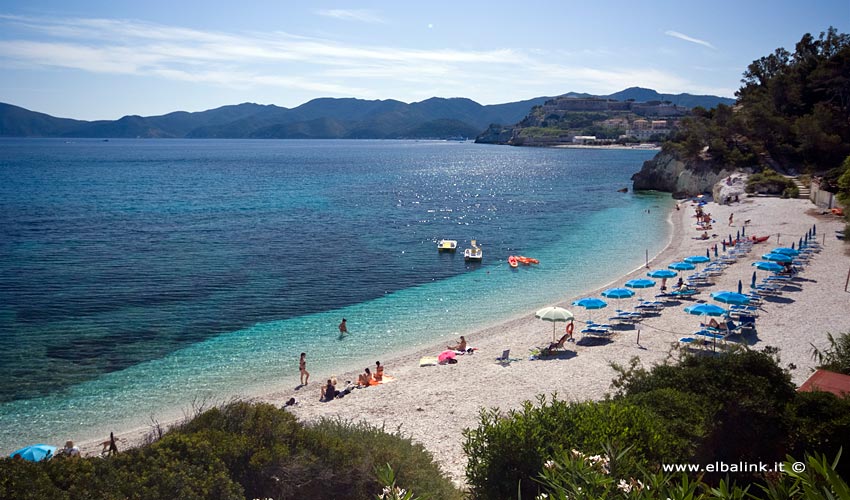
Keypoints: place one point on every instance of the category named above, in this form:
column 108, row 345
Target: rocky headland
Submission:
column 668, row 172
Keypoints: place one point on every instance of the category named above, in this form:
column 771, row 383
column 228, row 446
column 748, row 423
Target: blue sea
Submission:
column 137, row 276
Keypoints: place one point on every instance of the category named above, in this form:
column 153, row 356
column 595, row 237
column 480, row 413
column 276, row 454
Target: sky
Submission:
column 106, row 59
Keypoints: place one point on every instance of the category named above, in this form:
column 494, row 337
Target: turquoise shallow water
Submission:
column 140, row 275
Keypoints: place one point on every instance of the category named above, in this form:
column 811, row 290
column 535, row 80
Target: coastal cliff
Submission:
column 667, row 172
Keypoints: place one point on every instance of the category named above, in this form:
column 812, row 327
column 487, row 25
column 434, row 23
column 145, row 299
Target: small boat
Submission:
column 512, row 261
column 473, row 253
column 526, row 260
column 446, row 245
column 759, row 239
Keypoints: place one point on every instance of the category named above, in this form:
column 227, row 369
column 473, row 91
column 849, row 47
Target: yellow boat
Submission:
column 446, row 245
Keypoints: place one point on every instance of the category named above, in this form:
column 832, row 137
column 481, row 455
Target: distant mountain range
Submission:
column 325, row 118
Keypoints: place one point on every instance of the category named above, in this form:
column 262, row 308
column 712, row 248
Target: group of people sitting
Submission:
column 365, row 379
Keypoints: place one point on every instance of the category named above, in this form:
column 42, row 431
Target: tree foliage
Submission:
column 792, row 114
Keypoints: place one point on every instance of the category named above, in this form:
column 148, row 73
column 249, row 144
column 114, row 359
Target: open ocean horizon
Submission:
column 138, row 276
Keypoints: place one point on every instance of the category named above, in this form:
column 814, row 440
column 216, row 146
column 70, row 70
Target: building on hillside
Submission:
column 584, row 139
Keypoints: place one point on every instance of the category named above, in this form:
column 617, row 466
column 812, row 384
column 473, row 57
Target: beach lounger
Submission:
column 596, row 332
column 505, row 357
column 742, row 309
column 694, row 343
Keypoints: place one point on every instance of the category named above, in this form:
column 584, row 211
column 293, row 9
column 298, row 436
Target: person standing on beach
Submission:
column 343, row 329
column 302, row 366
column 730, row 218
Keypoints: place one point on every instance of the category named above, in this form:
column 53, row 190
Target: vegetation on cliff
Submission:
column 792, row 114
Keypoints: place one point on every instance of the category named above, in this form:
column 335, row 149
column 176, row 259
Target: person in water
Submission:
column 343, row 329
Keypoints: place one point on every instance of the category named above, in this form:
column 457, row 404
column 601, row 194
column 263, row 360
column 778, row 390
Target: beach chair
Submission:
column 693, row 343
column 554, row 346
column 505, row 357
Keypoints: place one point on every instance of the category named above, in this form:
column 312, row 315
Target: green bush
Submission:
column 576, row 476
column 770, row 182
column 837, row 357
column 506, row 452
column 741, row 397
column 345, row 456
column 240, row 450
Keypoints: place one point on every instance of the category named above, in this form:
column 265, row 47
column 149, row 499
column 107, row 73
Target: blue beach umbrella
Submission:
column 681, row 266
column 707, row 254
column 618, row 293
column 591, row 303
column 697, row 259
column 662, row 273
column 777, row 257
column 743, row 230
column 753, row 282
column 768, row 266
column 35, row 453
column 715, row 250
column 814, row 229
column 740, row 285
column 640, row 283
column 785, row 251
column 738, row 235
column 730, row 298
column 705, row 310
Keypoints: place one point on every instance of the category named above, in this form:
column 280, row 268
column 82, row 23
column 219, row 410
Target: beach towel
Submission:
column 428, row 361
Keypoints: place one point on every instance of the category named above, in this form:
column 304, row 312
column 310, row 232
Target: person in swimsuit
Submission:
column 460, row 346
column 302, row 366
column 379, row 371
column 343, row 329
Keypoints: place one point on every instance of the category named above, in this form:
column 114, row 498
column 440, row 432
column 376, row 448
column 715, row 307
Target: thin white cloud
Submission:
column 321, row 66
column 361, row 15
column 682, row 36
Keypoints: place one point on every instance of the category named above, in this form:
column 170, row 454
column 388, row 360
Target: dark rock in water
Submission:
column 624, row 190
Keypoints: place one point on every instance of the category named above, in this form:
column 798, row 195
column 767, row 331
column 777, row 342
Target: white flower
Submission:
column 624, row 486
column 550, row 464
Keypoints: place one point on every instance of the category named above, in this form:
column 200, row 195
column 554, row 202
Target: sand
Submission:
column 433, row 405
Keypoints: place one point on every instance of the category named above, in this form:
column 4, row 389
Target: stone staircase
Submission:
column 805, row 189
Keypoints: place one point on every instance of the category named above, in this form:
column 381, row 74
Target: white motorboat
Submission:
column 473, row 253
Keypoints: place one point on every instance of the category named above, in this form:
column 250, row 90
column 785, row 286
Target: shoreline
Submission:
column 434, row 404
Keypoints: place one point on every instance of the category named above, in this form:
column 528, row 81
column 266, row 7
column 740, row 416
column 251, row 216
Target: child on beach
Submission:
column 302, row 366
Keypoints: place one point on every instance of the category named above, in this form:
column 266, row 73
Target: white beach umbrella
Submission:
column 555, row 315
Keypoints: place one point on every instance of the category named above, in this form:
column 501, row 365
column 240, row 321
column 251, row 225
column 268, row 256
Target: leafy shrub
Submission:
column 341, row 457
column 576, row 476
column 506, row 452
column 741, row 398
column 820, row 423
column 837, row 357
column 770, row 182
column 236, row 451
